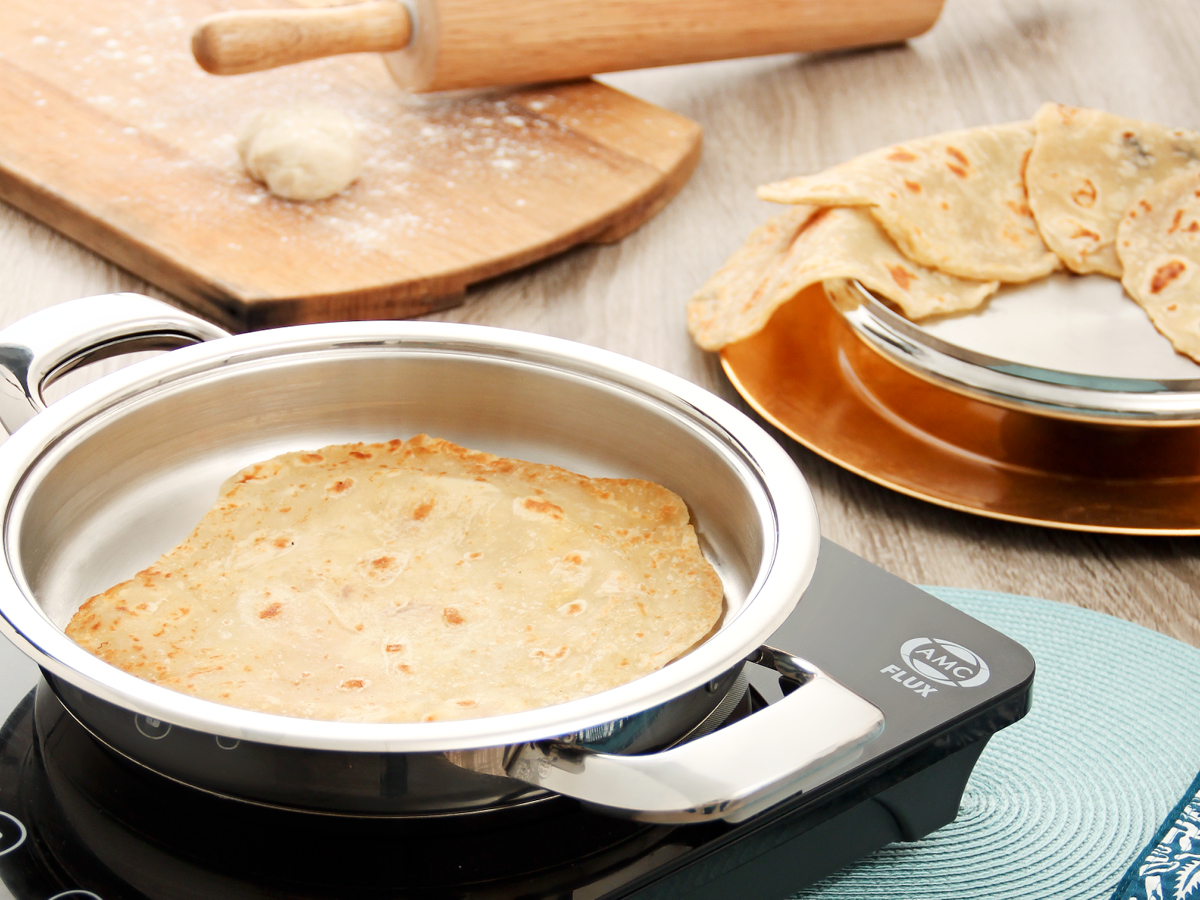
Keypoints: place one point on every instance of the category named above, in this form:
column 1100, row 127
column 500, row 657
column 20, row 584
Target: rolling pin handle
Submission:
column 233, row 43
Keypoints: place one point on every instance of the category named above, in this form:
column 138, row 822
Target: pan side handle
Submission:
column 39, row 349
column 793, row 745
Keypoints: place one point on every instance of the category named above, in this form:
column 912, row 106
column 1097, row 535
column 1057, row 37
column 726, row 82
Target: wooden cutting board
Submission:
column 110, row 133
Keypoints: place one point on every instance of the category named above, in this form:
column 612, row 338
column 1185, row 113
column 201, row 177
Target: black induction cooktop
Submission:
column 78, row 822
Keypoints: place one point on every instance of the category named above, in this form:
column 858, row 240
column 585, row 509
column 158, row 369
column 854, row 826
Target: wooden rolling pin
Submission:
column 436, row 45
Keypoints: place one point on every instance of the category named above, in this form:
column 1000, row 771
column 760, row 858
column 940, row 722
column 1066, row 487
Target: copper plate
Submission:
column 811, row 376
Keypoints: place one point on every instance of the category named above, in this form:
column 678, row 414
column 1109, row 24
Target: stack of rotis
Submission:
column 935, row 225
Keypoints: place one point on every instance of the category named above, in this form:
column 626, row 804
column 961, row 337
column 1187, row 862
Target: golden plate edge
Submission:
column 944, row 502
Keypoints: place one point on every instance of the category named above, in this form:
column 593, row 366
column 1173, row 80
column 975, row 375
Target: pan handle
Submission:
column 40, row 348
column 793, row 745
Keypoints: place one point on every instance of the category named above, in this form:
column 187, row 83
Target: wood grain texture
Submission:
column 469, row 43
column 773, row 118
column 113, row 136
column 239, row 41
column 483, row 43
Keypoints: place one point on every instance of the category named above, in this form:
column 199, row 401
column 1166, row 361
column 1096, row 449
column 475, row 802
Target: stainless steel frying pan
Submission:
column 98, row 485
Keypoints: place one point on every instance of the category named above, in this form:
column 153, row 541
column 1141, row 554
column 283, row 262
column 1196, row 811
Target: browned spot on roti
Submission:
column 423, row 510
column 913, row 186
column 1085, row 195
column 451, row 616
column 901, row 276
column 959, row 155
column 542, row 506
column 270, row 611
column 901, row 156
column 204, row 670
column 1165, row 274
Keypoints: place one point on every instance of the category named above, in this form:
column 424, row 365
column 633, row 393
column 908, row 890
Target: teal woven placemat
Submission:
column 1062, row 802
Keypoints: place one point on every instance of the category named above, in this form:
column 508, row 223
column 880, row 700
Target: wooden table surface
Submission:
column 986, row 61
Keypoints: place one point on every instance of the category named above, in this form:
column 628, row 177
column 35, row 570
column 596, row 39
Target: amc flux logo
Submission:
column 934, row 662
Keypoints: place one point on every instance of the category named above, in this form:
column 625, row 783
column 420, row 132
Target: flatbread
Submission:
column 711, row 309
column 412, row 581
column 954, row 202
column 1158, row 244
column 1087, row 168
column 833, row 243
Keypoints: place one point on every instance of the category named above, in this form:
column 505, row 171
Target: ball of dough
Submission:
column 301, row 152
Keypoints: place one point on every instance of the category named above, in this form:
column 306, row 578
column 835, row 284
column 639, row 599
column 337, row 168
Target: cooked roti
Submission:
column 1086, row 170
column 954, row 202
column 829, row 244
column 1158, row 243
column 731, row 305
column 412, row 581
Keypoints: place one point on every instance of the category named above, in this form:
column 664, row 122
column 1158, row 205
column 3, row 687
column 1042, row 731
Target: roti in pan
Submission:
column 412, row 581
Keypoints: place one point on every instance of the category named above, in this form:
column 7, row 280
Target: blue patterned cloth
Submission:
column 1169, row 867
column 1061, row 803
